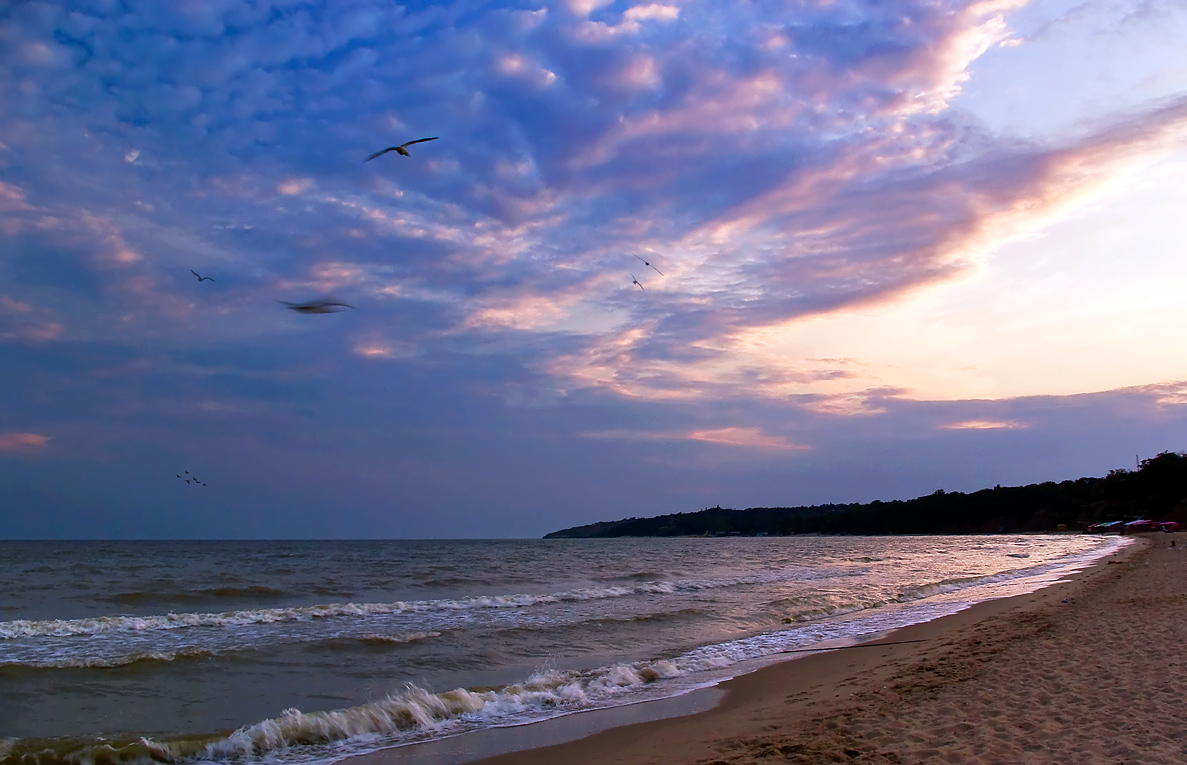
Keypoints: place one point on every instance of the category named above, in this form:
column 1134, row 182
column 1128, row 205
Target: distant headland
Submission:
column 1156, row 490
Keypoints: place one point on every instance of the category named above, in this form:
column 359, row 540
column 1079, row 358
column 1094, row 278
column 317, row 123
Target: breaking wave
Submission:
column 409, row 715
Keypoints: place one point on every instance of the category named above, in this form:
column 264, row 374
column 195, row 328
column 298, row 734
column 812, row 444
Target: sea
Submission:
column 312, row 651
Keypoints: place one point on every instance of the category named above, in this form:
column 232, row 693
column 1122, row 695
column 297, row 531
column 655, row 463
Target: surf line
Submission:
column 859, row 645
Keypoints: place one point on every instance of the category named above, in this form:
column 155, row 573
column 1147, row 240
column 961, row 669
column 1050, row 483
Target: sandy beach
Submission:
column 1084, row 671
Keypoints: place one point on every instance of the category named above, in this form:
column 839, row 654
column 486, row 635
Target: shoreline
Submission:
column 776, row 697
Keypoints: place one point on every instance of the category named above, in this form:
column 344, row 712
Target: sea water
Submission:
column 311, row 651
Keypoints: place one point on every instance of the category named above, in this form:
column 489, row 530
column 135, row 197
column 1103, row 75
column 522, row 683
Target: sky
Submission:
column 894, row 246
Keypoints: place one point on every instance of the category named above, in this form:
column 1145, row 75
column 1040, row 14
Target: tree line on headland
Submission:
column 1156, row 490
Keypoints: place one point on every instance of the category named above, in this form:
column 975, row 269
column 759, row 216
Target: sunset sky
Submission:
column 904, row 244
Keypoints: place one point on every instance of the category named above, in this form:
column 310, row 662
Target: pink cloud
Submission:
column 1172, row 394
column 855, row 404
column 654, row 11
column 13, row 306
column 753, row 438
column 521, row 67
column 524, row 312
column 640, row 72
column 295, row 186
column 934, row 74
column 22, row 321
column 334, row 274
column 583, row 8
column 375, row 345
column 13, row 199
column 596, row 32
column 13, row 441
column 17, row 215
column 985, row 425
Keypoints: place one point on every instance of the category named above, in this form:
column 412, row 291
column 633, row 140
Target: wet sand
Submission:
column 1089, row 671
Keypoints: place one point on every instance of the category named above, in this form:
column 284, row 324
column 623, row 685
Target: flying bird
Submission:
column 636, row 281
column 201, row 278
column 399, row 149
column 315, row 306
column 661, row 273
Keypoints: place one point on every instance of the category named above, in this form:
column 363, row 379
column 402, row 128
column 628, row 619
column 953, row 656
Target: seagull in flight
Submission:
column 636, row 281
column 201, row 278
column 315, row 306
column 661, row 273
column 399, row 149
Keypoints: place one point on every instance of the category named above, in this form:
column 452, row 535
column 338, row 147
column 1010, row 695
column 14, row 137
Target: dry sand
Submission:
column 1088, row 671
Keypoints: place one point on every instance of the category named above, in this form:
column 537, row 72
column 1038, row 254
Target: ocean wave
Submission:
column 386, row 722
column 102, row 662
column 927, row 589
column 822, row 607
column 181, row 654
column 377, row 639
column 208, row 593
column 22, row 628
column 662, row 616
column 100, row 752
column 450, row 581
column 406, row 637
column 954, row 584
column 826, row 610
column 546, row 693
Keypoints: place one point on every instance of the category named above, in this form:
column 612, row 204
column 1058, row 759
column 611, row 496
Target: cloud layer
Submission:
column 792, row 171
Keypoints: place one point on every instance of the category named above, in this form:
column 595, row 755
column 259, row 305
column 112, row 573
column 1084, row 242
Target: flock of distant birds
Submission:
column 325, row 305
column 192, row 480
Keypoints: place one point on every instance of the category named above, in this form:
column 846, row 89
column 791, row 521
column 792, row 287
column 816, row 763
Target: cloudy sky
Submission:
column 904, row 244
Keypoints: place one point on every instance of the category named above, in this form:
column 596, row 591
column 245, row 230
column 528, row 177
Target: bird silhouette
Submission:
column 399, row 149
column 201, row 278
column 661, row 273
column 636, row 281
column 315, row 306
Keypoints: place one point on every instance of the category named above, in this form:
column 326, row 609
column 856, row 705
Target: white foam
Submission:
column 415, row 712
